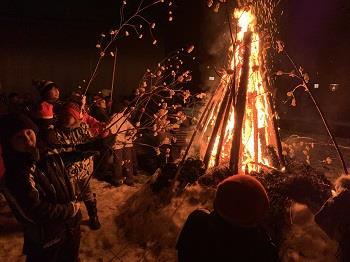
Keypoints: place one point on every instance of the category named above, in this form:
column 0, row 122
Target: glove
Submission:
column 76, row 207
column 93, row 145
column 83, row 101
column 109, row 141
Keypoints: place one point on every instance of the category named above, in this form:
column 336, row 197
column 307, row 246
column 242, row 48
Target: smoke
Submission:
column 216, row 41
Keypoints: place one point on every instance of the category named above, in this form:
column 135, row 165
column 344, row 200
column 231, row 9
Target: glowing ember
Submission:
column 257, row 131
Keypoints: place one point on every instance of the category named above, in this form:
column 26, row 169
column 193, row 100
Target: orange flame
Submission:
column 257, row 124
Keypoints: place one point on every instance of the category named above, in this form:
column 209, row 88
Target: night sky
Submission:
column 316, row 33
column 317, row 36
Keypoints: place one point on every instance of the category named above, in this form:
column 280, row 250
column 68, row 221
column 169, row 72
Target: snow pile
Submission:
column 154, row 221
column 306, row 241
column 137, row 225
column 11, row 240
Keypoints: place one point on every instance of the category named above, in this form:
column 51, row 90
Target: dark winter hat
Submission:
column 44, row 86
column 10, row 124
column 241, row 200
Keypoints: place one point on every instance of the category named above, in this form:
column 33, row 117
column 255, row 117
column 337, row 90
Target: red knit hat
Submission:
column 45, row 110
column 72, row 109
column 241, row 200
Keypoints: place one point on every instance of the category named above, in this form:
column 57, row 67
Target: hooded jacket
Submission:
column 43, row 193
column 334, row 219
column 207, row 237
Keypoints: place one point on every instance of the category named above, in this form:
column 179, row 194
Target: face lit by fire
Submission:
column 101, row 103
column 24, row 141
column 53, row 94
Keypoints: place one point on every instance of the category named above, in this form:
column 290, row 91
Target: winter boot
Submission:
column 129, row 181
column 94, row 223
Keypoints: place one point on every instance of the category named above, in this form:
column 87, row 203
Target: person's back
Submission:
column 206, row 236
column 231, row 232
column 334, row 217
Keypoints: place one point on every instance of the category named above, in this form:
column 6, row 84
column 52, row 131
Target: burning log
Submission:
column 240, row 104
column 216, row 129
column 206, row 114
column 227, row 114
column 240, row 125
column 256, row 130
column 276, row 132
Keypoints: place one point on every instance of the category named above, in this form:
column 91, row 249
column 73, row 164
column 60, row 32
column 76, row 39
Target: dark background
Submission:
column 317, row 37
column 56, row 40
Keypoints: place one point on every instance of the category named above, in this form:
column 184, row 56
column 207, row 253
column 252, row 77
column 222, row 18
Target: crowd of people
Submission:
column 50, row 150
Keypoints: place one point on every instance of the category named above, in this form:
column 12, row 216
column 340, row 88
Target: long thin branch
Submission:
column 320, row 112
column 117, row 31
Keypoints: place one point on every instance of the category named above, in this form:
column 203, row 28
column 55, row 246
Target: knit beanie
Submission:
column 44, row 86
column 241, row 200
column 10, row 124
column 71, row 109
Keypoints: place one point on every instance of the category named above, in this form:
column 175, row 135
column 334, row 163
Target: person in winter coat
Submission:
column 44, row 112
column 231, row 232
column 95, row 126
column 99, row 108
column 334, row 217
column 123, row 163
column 40, row 194
column 69, row 133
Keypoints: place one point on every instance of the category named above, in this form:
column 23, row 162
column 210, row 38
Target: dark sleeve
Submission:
column 269, row 251
column 44, row 210
column 101, row 116
column 31, row 196
column 324, row 218
column 192, row 243
column 334, row 214
column 95, row 144
column 76, row 156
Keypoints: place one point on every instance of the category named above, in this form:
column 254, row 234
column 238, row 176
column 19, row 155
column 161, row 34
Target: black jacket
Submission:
column 334, row 219
column 99, row 113
column 207, row 237
column 44, row 194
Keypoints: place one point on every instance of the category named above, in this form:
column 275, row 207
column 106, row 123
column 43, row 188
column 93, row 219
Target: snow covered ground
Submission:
column 140, row 226
column 135, row 225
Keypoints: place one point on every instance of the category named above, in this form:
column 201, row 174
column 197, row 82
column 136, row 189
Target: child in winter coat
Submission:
column 99, row 108
column 40, row 194
column 70, row 133
column 43, row 114
column 231, row 232
column 123, row 163
column 334, row 217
